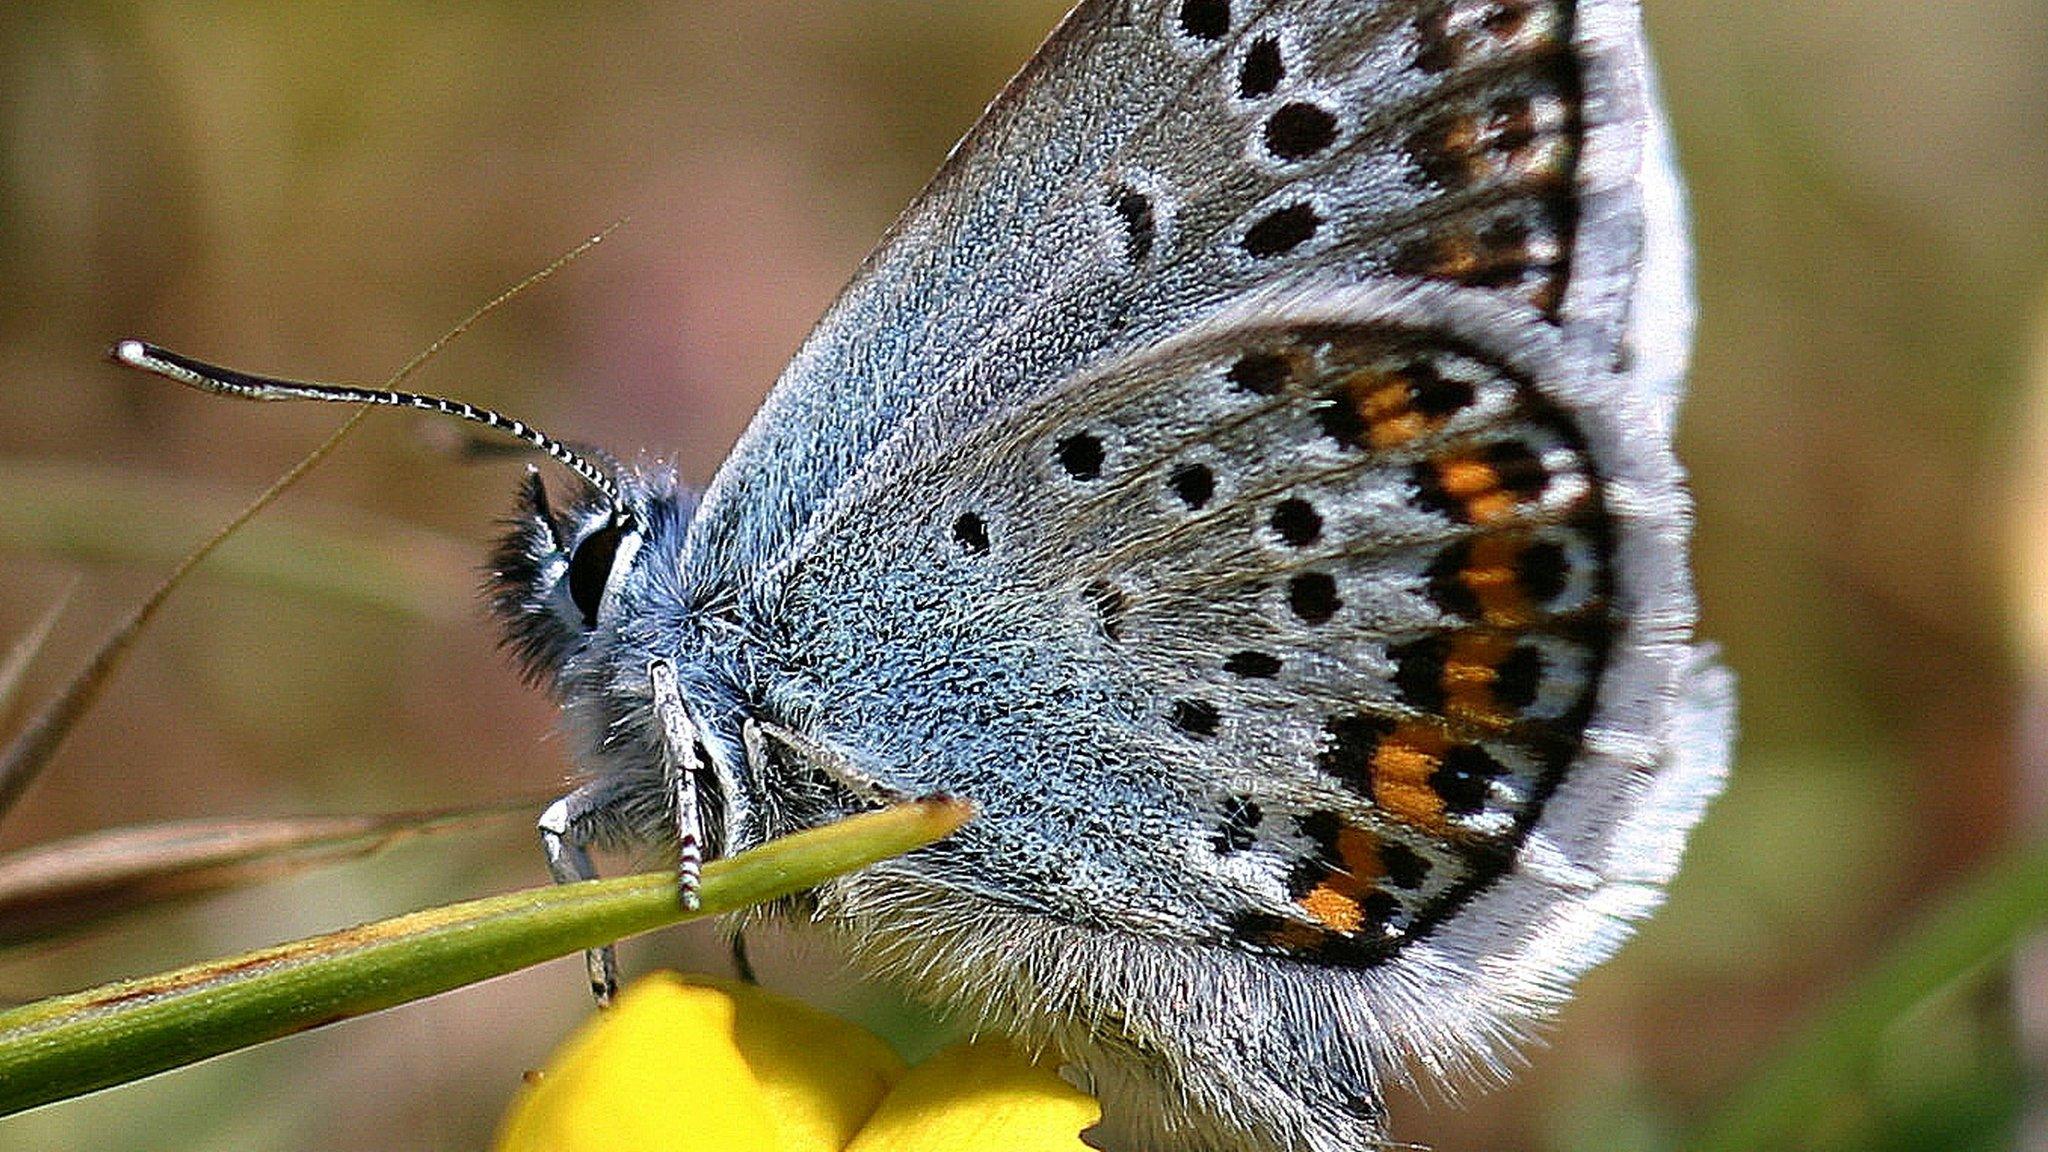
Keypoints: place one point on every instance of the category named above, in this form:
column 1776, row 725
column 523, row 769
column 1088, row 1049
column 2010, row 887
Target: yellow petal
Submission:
column 704, row 1065
column 980, row 1097
column 821, row 1076
column 660, row 1072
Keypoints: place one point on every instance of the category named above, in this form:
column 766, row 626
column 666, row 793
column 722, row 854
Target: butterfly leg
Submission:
column 566, row 830
column 679, row 743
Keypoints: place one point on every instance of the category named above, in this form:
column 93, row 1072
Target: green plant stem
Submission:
column 69, row 1045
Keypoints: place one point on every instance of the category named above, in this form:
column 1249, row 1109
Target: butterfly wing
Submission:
column 1246, row 473
column 1323, row 674
column 1160, row 157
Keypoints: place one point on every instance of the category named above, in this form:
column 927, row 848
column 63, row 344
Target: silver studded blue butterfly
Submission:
column 1246, row 474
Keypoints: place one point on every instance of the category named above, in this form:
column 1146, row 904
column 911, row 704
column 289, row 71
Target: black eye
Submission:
column 590, row 569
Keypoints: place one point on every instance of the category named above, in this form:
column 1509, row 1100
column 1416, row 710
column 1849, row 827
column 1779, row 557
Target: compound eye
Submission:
column 590, row 569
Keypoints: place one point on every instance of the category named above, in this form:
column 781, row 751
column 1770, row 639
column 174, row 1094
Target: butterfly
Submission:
column 1245, row 473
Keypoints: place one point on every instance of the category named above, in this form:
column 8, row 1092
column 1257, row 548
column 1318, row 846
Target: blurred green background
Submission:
column 322, row 190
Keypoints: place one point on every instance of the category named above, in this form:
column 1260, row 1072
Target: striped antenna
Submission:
column 228, row 382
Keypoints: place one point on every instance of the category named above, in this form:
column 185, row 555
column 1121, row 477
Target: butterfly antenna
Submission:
column 228, row 382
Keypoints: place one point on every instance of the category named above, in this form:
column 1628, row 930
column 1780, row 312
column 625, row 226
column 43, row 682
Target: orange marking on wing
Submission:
column 1337, row 902
column 1470, row 668
column 1475, row 484
column 1401, row 768
column 1461, row 136
column 1461, row 146
column 1333, row 909
column 1383, row 404
column 1360, row 852
column 1454, row 258
column 1492, row 575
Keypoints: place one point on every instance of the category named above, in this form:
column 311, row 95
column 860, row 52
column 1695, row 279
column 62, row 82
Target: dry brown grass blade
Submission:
column 75, row 884
column 14, row 669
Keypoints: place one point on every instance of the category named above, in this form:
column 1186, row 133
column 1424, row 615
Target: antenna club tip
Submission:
column 133, row 353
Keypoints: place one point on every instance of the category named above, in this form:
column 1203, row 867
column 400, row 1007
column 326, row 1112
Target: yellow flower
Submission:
column 713, row 1065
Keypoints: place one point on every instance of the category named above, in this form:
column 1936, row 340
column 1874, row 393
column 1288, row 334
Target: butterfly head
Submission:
column 592, row 601
column 563, row 580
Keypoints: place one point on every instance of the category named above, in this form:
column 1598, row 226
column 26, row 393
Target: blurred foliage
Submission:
column 322, row 190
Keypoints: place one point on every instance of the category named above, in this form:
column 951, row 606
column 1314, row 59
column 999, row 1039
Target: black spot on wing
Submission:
column 1195, row 717
column 1080, row 455
column 1252, row 665
column 1261, row 373
column 1193, row 483
column 1205, row 19
column 1300, row 130
column 1297, row 522
column 1312, row 596
column 1134, row 209
column 1282, row 231
column 971, row 533
column 1262, row 69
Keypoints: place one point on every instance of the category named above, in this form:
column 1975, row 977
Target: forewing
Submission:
column 1159, row 157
